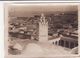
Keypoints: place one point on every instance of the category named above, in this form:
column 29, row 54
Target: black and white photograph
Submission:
column 42, row 29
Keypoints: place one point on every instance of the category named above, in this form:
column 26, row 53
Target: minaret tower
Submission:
column 43, row 29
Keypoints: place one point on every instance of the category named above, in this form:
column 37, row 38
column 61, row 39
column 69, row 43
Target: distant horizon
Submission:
column 48, row 13
column 37, row 9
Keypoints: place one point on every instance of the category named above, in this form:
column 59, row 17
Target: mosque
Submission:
column 57, row 44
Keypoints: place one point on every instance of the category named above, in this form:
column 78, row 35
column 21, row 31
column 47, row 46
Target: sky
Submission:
column 29, row 10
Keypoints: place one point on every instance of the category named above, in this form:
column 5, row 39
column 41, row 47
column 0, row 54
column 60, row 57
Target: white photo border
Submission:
column 6, row 5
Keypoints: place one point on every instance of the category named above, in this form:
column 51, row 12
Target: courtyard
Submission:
column 36, row 48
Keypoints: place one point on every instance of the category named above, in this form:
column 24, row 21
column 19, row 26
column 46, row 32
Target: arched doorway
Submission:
column 66, row 44
column 62, row 43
